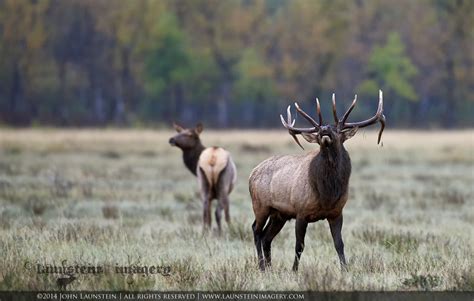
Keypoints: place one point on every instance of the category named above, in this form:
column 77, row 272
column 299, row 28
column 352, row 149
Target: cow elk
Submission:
column 214, row 168
column 309, row 187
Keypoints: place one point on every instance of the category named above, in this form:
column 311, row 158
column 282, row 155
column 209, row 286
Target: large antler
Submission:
column 289, row 124
column 341, row 124
column 378, row 117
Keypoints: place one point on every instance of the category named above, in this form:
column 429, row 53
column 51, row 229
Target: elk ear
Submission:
column 199, row 128
column 348, row 133
column 177, row 127
column 311, row 138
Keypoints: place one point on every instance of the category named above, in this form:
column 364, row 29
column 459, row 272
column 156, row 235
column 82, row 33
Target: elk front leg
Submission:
column 300, row 230
column 336, row 226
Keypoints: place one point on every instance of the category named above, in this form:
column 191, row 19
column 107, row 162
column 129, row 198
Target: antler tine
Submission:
column 373, row 119
column 306, row 116
column 283, row 121
column 346, row 115
column 288, row 116
column 334, row 113
column 382, row 127
column 290, row 123
column 378, row 117
column 318, row 109
column 289, row 127
column 296, row 140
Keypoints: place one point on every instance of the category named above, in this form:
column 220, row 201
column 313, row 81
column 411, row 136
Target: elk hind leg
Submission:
column 224, row 204
column 218, row 214
column 206, row 196
column 207, row 214
column 224, row 185
column 257, row 227
column 274, row 227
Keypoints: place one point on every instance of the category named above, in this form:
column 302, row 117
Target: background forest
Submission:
column 88, row 91
column 233, row 63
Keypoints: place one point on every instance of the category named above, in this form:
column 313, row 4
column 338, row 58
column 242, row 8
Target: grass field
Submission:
column 123, row 197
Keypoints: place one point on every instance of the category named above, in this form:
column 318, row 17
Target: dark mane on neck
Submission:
column 329, row 173
column 191, row 157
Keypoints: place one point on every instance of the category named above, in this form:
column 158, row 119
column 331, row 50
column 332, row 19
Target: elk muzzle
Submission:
column 326, row 140
column 325, row 136
column 172, row 141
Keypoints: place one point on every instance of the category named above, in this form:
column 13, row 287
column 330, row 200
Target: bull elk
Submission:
column 214, row 168
column 309, row 187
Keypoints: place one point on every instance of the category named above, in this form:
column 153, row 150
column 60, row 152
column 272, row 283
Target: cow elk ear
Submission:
column 310, row 137
column 177, row 127
column 348, row 133
column 199, row 128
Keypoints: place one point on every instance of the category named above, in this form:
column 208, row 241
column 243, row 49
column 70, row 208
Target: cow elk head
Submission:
column 186, row 138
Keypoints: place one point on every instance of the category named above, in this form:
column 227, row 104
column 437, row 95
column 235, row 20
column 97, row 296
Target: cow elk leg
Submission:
column 218, row 217
column 223, row 199
column 225, row 204
column 207, row 213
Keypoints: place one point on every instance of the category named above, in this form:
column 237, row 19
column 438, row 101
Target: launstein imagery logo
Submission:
column 66, row 273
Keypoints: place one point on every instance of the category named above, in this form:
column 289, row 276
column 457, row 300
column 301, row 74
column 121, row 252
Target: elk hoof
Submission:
column 344, row 267
column 261, row 265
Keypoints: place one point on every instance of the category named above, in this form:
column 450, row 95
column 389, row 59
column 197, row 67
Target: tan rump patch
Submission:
column 212, row 161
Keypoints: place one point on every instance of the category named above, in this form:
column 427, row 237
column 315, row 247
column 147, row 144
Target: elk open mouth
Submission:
column 325, row 139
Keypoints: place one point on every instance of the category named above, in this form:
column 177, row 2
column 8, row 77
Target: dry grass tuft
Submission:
column 110, row 212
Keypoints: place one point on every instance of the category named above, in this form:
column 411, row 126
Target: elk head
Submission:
column 186, row 138
column 327, row 135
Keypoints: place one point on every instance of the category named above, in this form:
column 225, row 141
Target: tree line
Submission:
column 235, row 63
